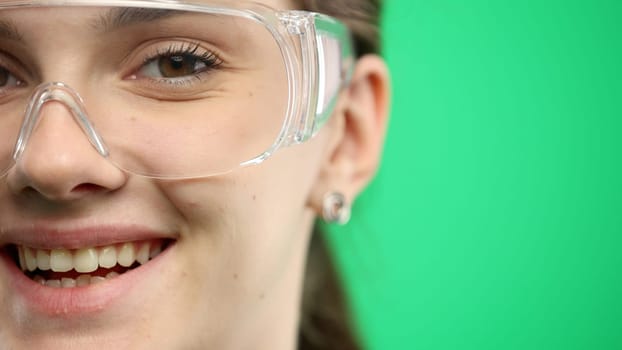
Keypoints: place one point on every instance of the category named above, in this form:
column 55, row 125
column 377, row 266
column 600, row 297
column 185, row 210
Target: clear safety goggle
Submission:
column 167, row 89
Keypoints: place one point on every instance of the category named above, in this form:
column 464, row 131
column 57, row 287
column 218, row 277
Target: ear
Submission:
column 356, row 132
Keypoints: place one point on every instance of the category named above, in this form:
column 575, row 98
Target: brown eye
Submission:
column 7, row 79
column 179, row 66
column 4, row 76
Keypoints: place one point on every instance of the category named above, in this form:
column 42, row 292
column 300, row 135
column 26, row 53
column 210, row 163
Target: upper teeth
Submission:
column 86, row 260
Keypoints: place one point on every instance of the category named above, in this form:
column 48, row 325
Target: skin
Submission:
column 234, row 277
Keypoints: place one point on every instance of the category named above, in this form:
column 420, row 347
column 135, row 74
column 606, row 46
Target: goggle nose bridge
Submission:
column 60, row 92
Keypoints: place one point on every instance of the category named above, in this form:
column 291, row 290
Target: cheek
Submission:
column 242, row 246
column 265, row 197
column 244, row 235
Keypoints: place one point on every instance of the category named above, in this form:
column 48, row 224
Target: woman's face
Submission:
column 233, row 246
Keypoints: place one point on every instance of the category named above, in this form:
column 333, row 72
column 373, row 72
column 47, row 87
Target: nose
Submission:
column 58, row 162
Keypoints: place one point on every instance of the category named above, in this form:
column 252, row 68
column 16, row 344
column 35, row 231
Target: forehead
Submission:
column 276, row 4
column 97, row 17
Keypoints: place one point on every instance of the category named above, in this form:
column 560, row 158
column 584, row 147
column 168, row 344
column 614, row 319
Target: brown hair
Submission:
column 325, row 319
column 361, row 16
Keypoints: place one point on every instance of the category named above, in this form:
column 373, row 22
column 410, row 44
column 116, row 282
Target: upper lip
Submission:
column 46, row 237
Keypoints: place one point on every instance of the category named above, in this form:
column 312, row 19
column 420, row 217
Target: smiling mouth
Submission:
column 71, row 268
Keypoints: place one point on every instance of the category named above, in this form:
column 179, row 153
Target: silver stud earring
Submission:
column 336, row 208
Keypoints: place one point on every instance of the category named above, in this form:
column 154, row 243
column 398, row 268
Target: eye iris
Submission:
column 4, row 76
column 177, row 66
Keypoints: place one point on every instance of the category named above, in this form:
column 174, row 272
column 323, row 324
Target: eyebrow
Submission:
column 126, row 16
column 8, row 31
column 109, row 21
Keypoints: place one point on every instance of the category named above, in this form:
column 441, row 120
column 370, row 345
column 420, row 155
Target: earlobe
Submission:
column 358, row 129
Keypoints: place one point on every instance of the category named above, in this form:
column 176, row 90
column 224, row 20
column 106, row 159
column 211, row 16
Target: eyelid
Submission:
column 12, row 65
column 190, row 48
column 153, row 49
column 191, row 87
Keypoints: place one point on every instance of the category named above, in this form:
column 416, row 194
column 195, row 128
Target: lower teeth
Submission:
column 81, row 281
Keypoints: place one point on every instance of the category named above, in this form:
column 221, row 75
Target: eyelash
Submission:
column 13, row 71
column 209, row 58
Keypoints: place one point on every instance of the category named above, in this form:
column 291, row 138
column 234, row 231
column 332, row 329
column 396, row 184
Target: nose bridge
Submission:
column 59, row 92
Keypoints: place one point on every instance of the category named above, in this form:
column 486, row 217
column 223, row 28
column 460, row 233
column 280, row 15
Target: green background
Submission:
column 496, row 219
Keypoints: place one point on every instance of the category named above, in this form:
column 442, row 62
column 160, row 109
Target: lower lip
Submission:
column 79, row 301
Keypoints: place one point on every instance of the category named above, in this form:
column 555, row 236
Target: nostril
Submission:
column 30, row 191
column 54, row 194
column 64, row 177
column 58, row 162
column 87, row 188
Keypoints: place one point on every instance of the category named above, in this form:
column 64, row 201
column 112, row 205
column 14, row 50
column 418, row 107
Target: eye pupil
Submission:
column 177, row 66
column 4, row 76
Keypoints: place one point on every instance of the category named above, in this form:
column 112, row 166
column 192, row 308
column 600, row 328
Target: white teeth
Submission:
column 31, row 259
column 97, row 279
column 107, row 257
column 142, row 256
column 39, row 279
column 85, row 260
column 61, row 260
column 67, row 282
column 83, row 280
column 22, row 258
column 43, row 259
column 53, row 283
column 127, row 255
